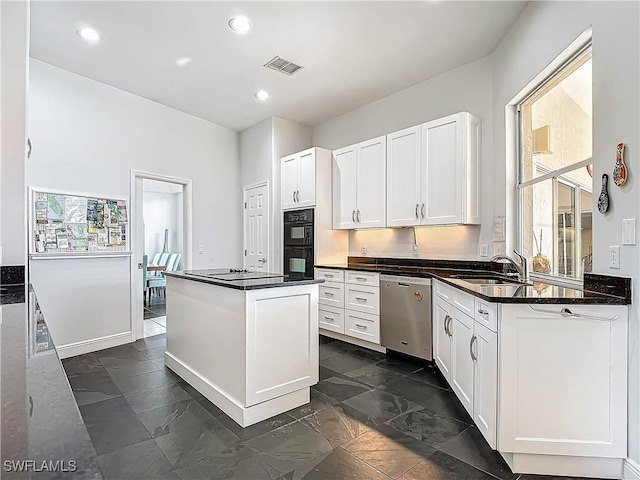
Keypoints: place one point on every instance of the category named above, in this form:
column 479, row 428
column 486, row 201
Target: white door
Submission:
column 289, row 181
column 371, row 184
column 462, row 364
column 442, row 171
column 256, row 228
column 344, row 188
column 485, row 394
column 403, row 177
column 441, row 338
column 306, row 193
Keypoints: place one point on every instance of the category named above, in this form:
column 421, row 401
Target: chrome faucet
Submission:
column 522, row 267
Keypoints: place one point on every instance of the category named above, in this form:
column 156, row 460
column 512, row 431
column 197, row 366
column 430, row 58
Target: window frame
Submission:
column 555, row 77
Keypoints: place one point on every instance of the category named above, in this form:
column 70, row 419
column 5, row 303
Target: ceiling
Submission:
column 353, row 52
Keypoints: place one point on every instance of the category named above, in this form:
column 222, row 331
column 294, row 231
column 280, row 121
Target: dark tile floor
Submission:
column 157, row 307
column 370, row 417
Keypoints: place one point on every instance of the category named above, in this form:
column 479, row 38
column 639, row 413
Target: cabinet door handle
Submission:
column 358, row 216
column 473, row 340
column 361, row 299
column 294, row 196
column 422, row 210
column 361, row 326
column 446, row 325
column 483, row 312
column 29, row 148
column 417, row 210
column 298, row 196
column 353, row 216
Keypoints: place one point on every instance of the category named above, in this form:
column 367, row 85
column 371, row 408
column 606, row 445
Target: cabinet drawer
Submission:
column 331, row 318
column 331, row 294
column 363, row 278
column 363, row 326
column 330, row 274
column 486, row 314
column 443, row 290
column 362, row 298
column 464, row 301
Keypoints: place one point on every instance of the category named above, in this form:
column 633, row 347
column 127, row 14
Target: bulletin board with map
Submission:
column 64, row 222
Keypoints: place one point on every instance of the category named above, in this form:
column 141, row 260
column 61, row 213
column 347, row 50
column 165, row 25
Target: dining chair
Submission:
column 145, row 259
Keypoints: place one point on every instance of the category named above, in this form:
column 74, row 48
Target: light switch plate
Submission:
column 629, row 231
column 484, row 250
column 614, row 256
column 415, row 249
column 363, row 249
column 200, row 249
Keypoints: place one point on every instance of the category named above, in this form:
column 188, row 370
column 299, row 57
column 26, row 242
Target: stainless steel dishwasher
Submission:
column 405, row 315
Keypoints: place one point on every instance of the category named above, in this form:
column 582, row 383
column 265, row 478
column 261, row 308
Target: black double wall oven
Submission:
column 298, row 244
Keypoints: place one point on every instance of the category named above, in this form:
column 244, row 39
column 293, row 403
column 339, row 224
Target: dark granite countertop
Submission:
column 598, row 289
column 41, row 422
column 248, row 284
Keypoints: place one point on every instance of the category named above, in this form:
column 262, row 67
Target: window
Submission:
column 555, row 184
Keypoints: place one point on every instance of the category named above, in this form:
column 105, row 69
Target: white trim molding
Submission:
column 94, row 344
column 631, row 470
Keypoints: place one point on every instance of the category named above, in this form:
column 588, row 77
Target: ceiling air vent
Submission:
column 283, row 65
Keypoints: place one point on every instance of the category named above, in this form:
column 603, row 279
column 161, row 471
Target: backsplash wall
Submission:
column 456, row 242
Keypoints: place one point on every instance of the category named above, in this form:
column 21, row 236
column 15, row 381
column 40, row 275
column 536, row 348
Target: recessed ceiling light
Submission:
column 240, row 25
column 261, row 95
column 89, row 34
column 183, row 61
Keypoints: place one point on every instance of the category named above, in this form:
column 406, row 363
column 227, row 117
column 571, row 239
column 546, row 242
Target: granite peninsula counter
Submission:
column 248, row 341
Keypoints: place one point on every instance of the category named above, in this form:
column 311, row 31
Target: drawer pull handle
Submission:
column 361, row 299
column 362, row 279
column 328, row 275
column 483, row 312
column 328, row 318
column 361, row 326
column 329, row 293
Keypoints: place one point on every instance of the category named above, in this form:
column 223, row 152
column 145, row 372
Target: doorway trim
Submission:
column 245, row 189
column 135, row 222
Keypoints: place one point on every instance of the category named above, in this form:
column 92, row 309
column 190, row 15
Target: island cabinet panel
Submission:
column 441, row 336
column 563, row 380
column 272, row 323
column 462, row 365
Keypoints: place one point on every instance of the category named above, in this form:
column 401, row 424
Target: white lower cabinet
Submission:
column 349, row 304
column 462, row 365
column 331, row 318
column 466, row 352
column 485, row 385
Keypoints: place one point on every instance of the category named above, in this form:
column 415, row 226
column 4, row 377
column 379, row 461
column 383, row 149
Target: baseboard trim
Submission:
column 94, row 344
column 353, row 340
column 631, row 470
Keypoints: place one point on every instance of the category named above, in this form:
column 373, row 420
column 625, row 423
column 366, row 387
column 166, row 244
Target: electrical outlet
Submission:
column 363, row 249
column 415, row 249
column 484, row 250
column 498, row 248
column 200, row 249
column 614, row 256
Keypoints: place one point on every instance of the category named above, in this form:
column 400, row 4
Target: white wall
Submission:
column 541, row 33
column 467, row 88
column 88, row 136
column 15, row 72
column 256, row 152
column 160, row 213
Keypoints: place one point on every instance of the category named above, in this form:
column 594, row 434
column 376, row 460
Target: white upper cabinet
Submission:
column 298, row 180
column 403, row 177
column 359, row 185
column 450, row 176
column 432, row 173
column 344, row 187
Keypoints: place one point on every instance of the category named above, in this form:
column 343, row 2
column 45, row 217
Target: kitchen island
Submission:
column 247, row 341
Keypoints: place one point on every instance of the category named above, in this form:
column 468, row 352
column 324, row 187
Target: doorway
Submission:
column 256, row 227
column 161, row 239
